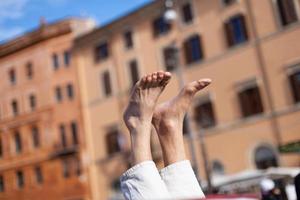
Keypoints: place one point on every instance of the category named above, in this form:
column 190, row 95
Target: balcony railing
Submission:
column 62, row 151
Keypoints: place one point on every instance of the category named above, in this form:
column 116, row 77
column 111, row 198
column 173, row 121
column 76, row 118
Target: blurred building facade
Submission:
column 249, row 48
column 41, row 133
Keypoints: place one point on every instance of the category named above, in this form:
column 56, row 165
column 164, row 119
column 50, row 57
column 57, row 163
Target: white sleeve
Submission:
column 143, row 182
column 181, row 181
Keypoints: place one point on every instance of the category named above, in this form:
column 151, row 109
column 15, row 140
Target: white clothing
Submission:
column 176, row 181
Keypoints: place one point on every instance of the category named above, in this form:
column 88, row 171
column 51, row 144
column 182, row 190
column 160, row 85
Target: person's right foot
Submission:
column 168, row 121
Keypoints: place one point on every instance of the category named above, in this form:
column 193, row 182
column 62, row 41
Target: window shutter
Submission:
column 287, row 11
column 229, row 33
column 243, row 21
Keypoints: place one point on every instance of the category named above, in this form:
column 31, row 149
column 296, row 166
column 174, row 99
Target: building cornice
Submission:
column 141, row 14
column 44, row 32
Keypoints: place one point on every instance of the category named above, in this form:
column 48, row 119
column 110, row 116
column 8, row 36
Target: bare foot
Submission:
column 139, row 112
column 168, row 121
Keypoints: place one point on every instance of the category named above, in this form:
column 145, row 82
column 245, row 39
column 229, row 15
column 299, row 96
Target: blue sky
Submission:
column 18, row 16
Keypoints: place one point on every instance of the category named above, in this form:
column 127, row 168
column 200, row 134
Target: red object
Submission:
column 233, row 196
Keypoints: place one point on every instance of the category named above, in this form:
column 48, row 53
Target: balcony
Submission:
column 63, row 151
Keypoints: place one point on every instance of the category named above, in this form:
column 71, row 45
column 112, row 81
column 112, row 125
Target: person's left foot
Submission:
column 168, row 120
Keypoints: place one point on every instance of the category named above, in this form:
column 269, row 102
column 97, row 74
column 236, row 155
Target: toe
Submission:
column 155, row 79
column 166, row 79
column 195, row 86
column 148, row 81
column 202, row 83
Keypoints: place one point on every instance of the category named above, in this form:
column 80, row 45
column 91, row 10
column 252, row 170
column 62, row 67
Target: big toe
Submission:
column 195, row 86
column 166, row 78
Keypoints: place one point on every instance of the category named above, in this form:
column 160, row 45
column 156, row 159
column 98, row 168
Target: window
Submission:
column 12, row 76
column 67, row 57
column 204, row 114
column 295, row 86
column 187, row 13
column 134, row 72
column 32, row 102
column 236, row 30
column 112, row 141
column 18, row 142
column 287, row 11
column 1, row 148
column 63, row 137
column 15, row 107
column 77, row 166
column 170, row 58
column 217, row 168
column 128, row 40
column 55, row 61
column 58, row 94
column 38, row 175
column 265, row 158
column 160, row 26
column 66, row 168
column 29, row 70
column 20, row 179
column 70, row 91
column 193, row 49
column 2, row 188
column 35, row 137
column 106, row 83
column 228, row 2
column 250, row 101
column 101, row 52
column 74, row 132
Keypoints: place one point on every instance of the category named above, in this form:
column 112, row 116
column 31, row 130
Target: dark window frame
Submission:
column 226, row 3
column 187, row 13
column 39, row 178
column 295, row 86
column 67, row 58
column 63, row 136
column 236, row 31
column 134, row 71
column 20, row 179
column 171, row 58
column 70, row 91
column 29, row 70
column 74, row 132
column 58, row 94
column 128, row 39
column 193, row 49
column 1, row 148
column 2, row 183
column 106, row 83
column 12, row 76
column 287, row 12
column 101, row 52
column 205, row 115
column 15, row 107
column 55, row 61
column 250, row 101
column 18, row 142
column 112, row 141
column 35, row 134
column 32, row 102
column 160, row 26
column 66, row 168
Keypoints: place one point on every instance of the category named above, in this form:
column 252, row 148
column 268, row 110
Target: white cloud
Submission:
column 12, row 9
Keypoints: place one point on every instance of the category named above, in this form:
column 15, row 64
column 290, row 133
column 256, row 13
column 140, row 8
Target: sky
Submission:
column 19, row 16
